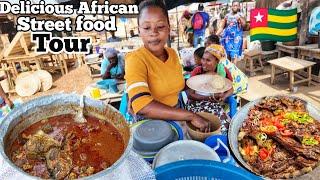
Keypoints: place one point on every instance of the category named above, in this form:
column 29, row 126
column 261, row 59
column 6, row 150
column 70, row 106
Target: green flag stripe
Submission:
column 282, row 12
column 273, row 37
column 282, row 25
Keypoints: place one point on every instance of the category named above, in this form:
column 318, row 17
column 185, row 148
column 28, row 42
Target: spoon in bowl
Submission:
column 79, row 116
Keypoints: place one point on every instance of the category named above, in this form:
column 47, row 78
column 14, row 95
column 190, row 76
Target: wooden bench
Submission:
column 292, row 50
column 291, row 65
column 308, row 52
column 94, row 69
column 250, row 59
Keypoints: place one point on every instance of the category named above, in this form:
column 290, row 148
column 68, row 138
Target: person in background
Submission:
column 231, row 31
column 154, row 73
column 212, row 39
column 210, row 61
column 112, row 66
column 113, row 37
column 187, row 27
column 198, row 53
column 199, row 21
column 132, row 34
column 213, row 27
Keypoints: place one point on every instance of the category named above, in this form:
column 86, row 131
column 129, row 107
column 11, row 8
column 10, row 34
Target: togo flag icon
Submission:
column 272, row 24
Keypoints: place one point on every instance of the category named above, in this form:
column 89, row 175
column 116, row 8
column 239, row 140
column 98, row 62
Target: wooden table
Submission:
column 126, row 51
column 250, row 59
column 32, row 57
column 306, row 51
column 310, row 51
column 291, row 65
column 292, row 50
column 106, row 96
column 94, row 68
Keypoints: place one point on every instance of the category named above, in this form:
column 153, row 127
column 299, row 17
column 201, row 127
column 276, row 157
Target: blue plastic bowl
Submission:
column 106, row 83
column 202, row 169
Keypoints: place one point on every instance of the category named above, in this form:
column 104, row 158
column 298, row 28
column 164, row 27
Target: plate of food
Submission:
column 209, row 84
column 277, row 137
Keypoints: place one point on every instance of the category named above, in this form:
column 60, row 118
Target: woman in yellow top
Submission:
column 153, row 72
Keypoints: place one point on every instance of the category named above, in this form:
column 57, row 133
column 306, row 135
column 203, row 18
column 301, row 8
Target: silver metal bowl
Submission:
column 241, row 116
column 48, row 106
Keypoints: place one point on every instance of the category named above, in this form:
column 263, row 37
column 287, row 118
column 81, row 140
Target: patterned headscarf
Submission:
column 217, row 51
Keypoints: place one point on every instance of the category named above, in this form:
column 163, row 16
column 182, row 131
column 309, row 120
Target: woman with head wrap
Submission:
column 240, row 80
column 112, row 66
column 211, row 65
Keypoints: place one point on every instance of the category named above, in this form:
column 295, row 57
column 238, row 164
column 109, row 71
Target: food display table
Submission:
column 291, row 65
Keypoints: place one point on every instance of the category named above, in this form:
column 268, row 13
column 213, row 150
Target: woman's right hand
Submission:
column 200, row 123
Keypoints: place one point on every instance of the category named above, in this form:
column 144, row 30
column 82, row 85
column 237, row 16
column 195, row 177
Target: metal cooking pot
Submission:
column 240, row 117
column 48, row 106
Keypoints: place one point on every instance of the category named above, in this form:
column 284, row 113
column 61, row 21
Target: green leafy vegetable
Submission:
column 262, row 136
column 309, row 141
column 302, row 118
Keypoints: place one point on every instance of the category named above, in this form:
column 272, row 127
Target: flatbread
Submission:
column 209, row 84
column 217, row 83
column 27, row 85
column 45, row 78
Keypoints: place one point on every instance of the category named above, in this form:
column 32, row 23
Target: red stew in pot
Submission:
column 61, row 148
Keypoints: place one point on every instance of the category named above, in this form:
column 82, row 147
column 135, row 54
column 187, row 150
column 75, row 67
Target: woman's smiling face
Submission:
column 154, row 28
column 209, row 62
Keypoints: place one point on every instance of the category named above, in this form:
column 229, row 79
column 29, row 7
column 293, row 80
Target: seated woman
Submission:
column 240, row 80
column 112, row 66
column 153, row 72
column 210, row 65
